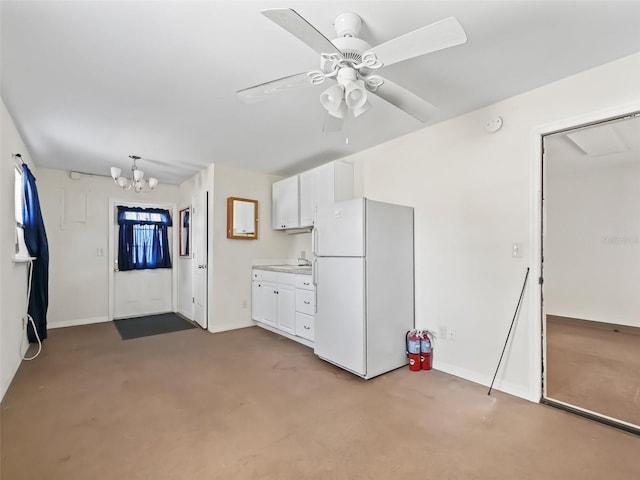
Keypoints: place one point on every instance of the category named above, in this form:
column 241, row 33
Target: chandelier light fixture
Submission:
column 137, row 181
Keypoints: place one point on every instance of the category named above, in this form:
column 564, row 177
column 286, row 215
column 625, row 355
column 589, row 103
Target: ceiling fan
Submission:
column 353, row 64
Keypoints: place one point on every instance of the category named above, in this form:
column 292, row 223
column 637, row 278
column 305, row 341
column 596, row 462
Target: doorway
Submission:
column 135, row 293
column 591, row 270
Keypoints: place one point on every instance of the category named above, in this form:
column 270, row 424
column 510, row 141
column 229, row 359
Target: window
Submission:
column 21, row 251
column 143, row 240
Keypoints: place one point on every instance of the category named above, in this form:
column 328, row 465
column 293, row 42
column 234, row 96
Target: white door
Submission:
column 269, row 296
column 339, row 229
column 140, row 292
column 307, row 200
column 285, row 209
column 286, row 309
column 257, row 303
column 340, row 319
column 199, row 229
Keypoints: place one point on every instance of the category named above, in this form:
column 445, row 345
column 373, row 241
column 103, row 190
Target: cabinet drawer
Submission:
column 305, row 282
column 304, row 326
column 305, row 301
column 268, row 276
column 286, row 279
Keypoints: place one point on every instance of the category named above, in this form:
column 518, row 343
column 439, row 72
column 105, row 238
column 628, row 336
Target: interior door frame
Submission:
column 113, row 203
column 537, row 230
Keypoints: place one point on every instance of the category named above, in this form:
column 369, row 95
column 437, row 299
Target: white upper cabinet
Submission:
column 285, row 208
column 324, row 185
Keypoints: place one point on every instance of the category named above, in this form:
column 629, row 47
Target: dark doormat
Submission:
column 138, row 327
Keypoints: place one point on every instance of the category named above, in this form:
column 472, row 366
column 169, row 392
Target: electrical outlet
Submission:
column 244, row 304
column 451, row 334
column 517, row 250
column 442, row 332
column 303, row 254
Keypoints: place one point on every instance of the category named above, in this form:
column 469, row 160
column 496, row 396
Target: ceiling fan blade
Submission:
column 257, row 93
column 331, row 123
column 295, row 24
column 407, row 101
column 437, row 36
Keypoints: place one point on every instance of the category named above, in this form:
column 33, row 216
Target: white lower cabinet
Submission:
column 304, row 326
column 286, row 319
column 284, row 303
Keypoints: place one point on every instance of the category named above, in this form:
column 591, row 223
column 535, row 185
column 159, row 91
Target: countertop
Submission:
column 297, row 269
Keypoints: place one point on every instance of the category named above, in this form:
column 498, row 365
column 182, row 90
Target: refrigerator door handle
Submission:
column 314, row 271
column 314, row 279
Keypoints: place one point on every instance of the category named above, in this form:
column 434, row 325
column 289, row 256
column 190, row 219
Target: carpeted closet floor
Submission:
column 249, row 404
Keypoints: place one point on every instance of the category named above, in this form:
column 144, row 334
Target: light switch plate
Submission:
column 442, row 332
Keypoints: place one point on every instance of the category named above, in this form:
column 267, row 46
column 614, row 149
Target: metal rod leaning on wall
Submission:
column 526, row 276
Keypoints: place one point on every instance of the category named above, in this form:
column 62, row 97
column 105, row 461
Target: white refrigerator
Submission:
column 364, row 276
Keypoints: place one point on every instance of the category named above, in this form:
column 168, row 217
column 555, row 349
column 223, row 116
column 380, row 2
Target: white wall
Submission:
column 592, row 244
column 300, row 242
column 13, row 276
column 473, row 194
column 232, row 259
column 79, row 251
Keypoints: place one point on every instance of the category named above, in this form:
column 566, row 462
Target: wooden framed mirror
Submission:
column 185, row 232
column 242, row 218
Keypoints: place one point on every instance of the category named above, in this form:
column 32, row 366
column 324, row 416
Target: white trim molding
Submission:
column 536, row 217
column 76, row 322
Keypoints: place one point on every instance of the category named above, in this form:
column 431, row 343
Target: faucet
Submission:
column 304, row 261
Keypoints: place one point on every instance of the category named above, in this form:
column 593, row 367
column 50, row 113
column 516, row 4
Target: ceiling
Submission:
column 604, row 145
column 89, row 83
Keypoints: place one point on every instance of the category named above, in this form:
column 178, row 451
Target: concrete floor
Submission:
column 249, row 404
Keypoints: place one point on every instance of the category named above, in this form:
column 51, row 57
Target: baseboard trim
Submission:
column 295, row 338
column 77, row 322
column 230, row 326
column 505, row 387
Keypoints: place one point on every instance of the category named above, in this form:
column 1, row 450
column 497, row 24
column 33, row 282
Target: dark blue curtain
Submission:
column 144, row 238
column 35, row 237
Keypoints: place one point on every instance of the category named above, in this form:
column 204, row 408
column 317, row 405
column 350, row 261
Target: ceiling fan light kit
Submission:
column 350, row 61
column 137, row 181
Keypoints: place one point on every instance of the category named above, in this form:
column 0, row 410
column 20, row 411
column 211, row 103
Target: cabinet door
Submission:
column 257, row 302
column 270, row 301
column 307, row 199
column 286, row 309
column 324, row 185
column 316, row 188
column 285, row 204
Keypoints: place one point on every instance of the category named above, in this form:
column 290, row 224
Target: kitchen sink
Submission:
column 291, row 268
